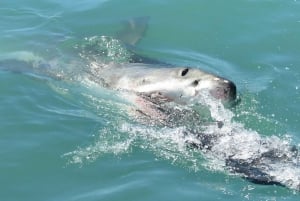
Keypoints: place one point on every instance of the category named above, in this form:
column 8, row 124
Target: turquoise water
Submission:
column 68, row 140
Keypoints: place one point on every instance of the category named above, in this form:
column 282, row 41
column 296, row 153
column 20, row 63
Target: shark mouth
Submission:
column 225, row 91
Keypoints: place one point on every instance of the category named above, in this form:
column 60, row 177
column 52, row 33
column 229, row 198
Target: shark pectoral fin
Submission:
column 251, row 171
column 133, row 30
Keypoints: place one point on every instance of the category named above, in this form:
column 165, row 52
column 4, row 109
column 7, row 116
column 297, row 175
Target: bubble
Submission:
column 103, row 49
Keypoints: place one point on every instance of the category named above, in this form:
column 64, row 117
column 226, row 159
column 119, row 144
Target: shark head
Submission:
column 178, row 84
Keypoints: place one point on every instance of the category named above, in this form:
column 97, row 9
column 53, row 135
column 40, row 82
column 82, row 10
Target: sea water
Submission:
column 71, row 139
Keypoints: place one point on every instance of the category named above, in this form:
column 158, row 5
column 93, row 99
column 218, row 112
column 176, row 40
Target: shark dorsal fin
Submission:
column 133, row 30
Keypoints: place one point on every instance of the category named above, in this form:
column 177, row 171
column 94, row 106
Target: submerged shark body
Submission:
column 155, row 88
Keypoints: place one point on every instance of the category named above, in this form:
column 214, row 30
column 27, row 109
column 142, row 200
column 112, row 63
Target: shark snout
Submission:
column 224, row 90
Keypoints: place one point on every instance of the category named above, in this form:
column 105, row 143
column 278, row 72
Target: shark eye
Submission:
column 195, row 83
column 184, row 72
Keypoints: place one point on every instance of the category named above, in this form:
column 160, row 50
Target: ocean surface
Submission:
column 71, row 140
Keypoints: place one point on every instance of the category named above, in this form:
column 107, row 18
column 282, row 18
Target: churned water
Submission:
column 65, row 137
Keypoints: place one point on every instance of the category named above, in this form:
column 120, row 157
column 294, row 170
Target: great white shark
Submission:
column 151, row 85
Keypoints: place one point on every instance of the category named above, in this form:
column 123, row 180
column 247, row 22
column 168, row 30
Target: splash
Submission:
column 231, row 148
column 108, row 142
